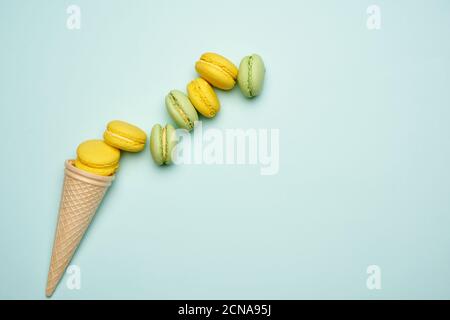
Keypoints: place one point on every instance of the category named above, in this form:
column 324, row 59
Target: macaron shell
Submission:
column 181, row 109
column 258, row 72
column 251, row 75
column 96, row 153
column 97, row 157
column 156, row 144
column 203, row 97
column 125, row 136
column 171, row 140
column 220, row 61
column 217, row 70
column 243, row 78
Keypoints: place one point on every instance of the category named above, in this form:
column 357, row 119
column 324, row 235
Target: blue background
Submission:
column 364, row 149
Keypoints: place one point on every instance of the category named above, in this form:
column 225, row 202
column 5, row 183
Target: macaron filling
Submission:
column 164, row 144
column 121, row 137
column 249, row 78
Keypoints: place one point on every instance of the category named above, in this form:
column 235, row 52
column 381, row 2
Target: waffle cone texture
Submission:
column 81, row 195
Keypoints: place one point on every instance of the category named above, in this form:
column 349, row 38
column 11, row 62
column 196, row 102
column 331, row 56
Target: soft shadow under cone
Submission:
column 82, row 194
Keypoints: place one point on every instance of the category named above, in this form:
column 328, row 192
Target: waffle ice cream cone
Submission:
column 82, row 194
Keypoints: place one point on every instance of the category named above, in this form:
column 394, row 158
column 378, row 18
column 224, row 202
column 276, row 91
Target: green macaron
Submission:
column 181, row 109
column 251, row 75
column 162, row 142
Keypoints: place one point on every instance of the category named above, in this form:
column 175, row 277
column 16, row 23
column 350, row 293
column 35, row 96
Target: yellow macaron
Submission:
column 203, row 97
column 95, row 156
column 217, row 70
column 125, row 136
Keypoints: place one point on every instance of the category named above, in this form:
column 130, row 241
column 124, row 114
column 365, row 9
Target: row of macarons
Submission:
column 102, row 157
column 219, row 72
column 215, row 71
